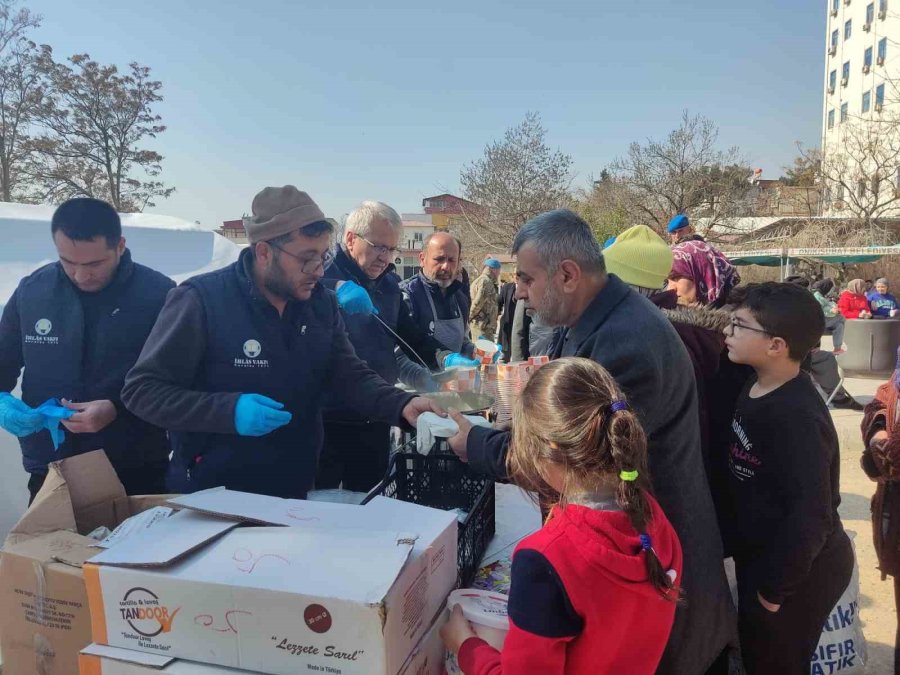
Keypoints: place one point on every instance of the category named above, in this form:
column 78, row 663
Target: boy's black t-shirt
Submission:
column 782, row 483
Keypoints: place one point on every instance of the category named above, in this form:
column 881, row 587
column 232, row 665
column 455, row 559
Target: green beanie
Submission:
column 639, row 257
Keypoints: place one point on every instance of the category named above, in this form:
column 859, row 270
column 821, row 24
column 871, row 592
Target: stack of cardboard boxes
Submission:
column 230, row 581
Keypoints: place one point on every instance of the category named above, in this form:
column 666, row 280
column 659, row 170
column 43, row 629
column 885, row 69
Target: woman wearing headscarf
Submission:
column 701, row 275
column 834, row 320
column 881, row 301
column 853, row 303
column 881, row 462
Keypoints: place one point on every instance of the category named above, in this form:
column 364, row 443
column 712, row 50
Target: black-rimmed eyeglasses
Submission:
column 735, row 324
column 308, row 265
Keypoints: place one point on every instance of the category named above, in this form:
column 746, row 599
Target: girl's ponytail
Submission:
column 628, row 447
column 571, row 415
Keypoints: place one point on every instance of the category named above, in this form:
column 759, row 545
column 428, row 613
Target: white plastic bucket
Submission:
column 486, row 612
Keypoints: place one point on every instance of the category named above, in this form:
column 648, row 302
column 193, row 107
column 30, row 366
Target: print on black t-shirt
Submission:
column 742, row 460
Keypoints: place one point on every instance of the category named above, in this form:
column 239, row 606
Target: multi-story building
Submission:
column 861, row 95
column 446, row 208
column 234, row 230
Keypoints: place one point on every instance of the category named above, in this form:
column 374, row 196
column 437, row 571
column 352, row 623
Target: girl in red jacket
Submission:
column 853, row 303
column 594, row 591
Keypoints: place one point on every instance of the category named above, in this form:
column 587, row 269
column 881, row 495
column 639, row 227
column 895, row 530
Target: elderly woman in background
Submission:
column 853, row 303
column 881, row 462
column 881, row 302
column 834, row 320
column 701, row 275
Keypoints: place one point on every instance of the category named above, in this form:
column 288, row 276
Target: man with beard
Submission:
column 239, row 364
column 435, row 297
column 561, row 274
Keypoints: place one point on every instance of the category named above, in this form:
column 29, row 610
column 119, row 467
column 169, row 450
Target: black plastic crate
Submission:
column 442, row 481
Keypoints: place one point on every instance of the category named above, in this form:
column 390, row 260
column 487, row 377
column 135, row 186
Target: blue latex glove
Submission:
column 256, row 415
column 457, row 359
column 353, row 299
column 18, row 418
column 52, row 412
column 498, row 354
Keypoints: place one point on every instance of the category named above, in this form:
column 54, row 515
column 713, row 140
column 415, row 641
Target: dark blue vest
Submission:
column 58, row 363
column 448, row 306
column 249, row 349
column 373, row 344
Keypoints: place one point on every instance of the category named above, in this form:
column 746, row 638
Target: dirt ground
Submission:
column 879, row 618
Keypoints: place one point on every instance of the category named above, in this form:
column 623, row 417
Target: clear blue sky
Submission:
column 388, row 100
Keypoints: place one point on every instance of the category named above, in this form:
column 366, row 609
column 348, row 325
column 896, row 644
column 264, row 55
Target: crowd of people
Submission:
column 675, row 425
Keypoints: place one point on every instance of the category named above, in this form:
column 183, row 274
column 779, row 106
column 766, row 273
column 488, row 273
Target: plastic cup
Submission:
column 485, row 349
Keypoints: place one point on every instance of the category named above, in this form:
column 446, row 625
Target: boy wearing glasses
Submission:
column 782, row 492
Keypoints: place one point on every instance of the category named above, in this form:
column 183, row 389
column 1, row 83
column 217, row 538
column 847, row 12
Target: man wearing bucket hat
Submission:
column 485, row 301
column 239, row 364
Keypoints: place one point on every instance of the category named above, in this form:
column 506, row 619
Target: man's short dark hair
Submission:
column 84, row 218
column 787, row 311
column 797, row 280
column 560, row 235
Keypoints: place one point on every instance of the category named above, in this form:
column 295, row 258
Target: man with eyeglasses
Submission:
column 241, row 361
column 356, row 449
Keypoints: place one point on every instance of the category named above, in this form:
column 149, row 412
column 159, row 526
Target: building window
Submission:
column 843, row 112
column 897, row 180
column 870, row 12
column 879, row 96
column 867, row 58
column 834, row 6
column 866, row 101
column 847, row 28
column 845, row 73
column 839, row 192
column 831, row 119
column 882, row 9
column 835, row 36
column 882, row 51
column 861, row 188
column 832, row 80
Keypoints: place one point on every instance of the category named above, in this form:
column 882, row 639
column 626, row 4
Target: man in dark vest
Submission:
column 242, row 361
column 435, row 297
column 77, row 327
column 356, row 449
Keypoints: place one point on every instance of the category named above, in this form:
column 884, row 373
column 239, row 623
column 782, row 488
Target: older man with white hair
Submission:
column 355, row 452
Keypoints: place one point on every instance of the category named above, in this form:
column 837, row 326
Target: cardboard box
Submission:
column 429, row 655
column 44, row 617
column 345, row 589
column 100, row 660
